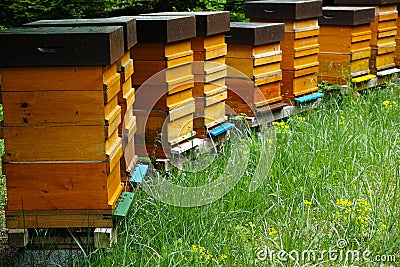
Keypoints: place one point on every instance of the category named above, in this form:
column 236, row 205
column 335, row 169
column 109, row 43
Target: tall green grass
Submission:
column 333, row 185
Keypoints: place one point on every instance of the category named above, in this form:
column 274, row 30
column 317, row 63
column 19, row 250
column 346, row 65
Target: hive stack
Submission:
column 61, row 116
column 164, row 104
column 397, row 53
column 384, row 31
column 254, row 50
column 209, row 69
column 300, row 46
column 344, row 41
column 126, row 94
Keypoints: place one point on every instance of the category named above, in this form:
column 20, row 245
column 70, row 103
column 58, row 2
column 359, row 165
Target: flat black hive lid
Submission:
column 366, row 2
column 128, row 23
column 61, row 46
column 255, row 33
column 207, row 22
column 283, row 10
column 164, row 29
column 350, row 16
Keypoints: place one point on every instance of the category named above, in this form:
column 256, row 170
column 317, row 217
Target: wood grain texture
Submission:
column 51, row 108
column 54, row 143
column 58, row 219
column 297, row 83
column 60, row 186
column 161, row 52
column 56, row 78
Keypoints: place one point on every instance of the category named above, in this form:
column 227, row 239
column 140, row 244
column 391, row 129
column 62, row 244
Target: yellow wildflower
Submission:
column 251, row 224
column 382, row 225
column 195, row 249
column 307, row 202
column 269, row 141
column 363, row 203
column 202, row 249
column 300, row 118
column 341, row 122
column 344, row 202
column 223, row 257
column 272, row 231
column 386, row 103
column 208, row 257
column 394, row 103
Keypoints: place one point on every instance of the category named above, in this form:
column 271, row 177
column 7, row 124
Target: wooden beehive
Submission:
column 344, row 41
column 61, row 117
column 125, row 67
column 397, row 52
column 384, row 31
column 254, row 50
column 300, row 46
column 209, row 50
column 163, row 106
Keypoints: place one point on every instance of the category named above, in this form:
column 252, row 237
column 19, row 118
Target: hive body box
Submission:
column 397, row 53
column 254, row 50
column 61, row 117
column 164, row 104
column 300, row 46
column 344, row 40
column 209, row 69
column 126, row 94
column 384, row 31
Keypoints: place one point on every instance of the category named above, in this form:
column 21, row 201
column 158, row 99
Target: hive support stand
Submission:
column 18, row 238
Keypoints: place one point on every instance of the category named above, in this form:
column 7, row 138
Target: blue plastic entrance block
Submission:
column 221, row 129
column 308, row 98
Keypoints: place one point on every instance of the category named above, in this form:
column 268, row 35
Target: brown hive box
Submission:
column 128, row 24
column 61, row 116
column 208, row 46
column 167, row 49
column 300, row 47
column 125, row 69
column 344, row 40
column 283, row 10
column 52, row 46
column 254, row 50
column 365, row 2
column 346, row 16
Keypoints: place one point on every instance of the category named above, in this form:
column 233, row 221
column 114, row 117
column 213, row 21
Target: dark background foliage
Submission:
column 14, row 13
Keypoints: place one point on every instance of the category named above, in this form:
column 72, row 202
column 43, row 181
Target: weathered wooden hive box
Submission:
column 384, row 31
column 125, row 67
column 62, row 150
column 164, row 104
column 397, row 53
column 300, row 46
column 344, row 40
column 209, row 69
column 254, row 50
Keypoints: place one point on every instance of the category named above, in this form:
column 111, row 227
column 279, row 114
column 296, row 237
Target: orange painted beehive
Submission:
column 61, row 117
column 384, row 31
column 164, row 103
column 254, row 50
column 126, row 94
column 209, row 69
column 300, row 46
column 344, row 40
